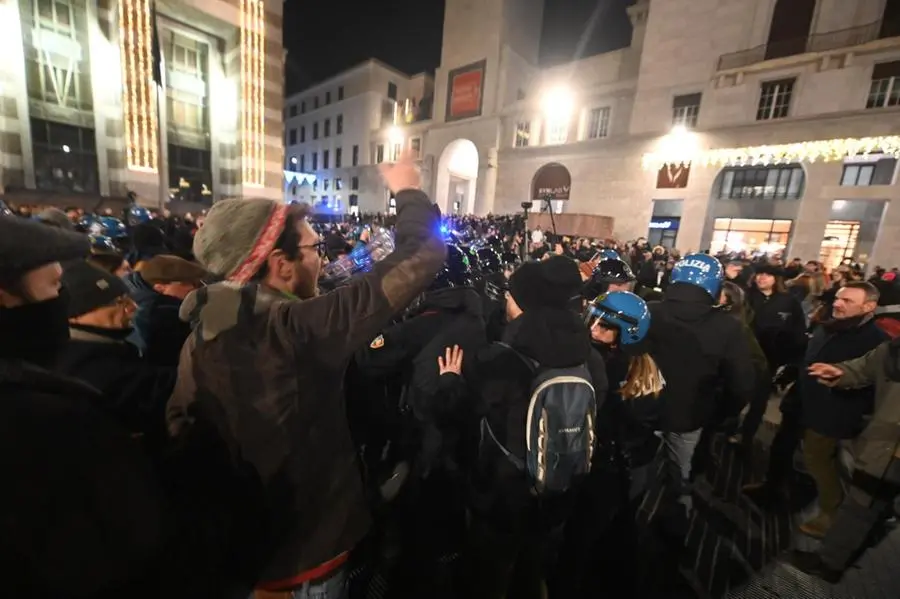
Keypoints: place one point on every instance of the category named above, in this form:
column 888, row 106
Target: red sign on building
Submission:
column 465, row 91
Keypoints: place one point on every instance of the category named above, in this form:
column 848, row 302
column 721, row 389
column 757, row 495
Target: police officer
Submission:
column 610, row 274
column 697, row 348
column 450, row 313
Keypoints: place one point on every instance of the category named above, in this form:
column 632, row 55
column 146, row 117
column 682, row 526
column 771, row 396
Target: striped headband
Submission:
column 263, row 246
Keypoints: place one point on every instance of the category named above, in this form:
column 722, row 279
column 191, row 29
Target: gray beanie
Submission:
column 238, row 235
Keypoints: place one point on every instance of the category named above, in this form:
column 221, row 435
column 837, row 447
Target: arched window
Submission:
column 790, row 28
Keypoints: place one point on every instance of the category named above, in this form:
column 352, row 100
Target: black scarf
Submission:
column 34, row 332
column 838, row 325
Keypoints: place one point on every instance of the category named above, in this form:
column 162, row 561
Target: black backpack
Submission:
column 559, row 428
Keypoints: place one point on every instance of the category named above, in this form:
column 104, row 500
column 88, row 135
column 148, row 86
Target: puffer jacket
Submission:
column 261, row 381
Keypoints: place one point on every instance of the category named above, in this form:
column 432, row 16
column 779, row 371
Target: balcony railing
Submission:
column 818, row 42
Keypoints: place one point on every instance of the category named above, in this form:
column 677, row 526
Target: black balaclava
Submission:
column 35, row 332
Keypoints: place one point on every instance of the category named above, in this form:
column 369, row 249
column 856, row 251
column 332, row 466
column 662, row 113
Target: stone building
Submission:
column 664, row 135
column 172, row 100
column 339, row 130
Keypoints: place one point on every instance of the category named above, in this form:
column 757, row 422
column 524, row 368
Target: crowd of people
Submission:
column 195, row 407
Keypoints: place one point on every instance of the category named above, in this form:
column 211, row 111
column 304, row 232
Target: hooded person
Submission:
column 509, row 524
column 260, row 386
column 88, row 512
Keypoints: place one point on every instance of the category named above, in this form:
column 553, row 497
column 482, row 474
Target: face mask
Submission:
column 34, row 332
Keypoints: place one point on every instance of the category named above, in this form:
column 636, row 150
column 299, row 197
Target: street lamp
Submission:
column 557, row 103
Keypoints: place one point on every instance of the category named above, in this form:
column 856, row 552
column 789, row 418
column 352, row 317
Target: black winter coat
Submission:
column 133, row 391
column 779, row 325
column 698, row 348
column 82, row 512
column 831, row 411
column 501, row 382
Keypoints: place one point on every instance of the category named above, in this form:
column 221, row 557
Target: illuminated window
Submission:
column 754, row 235
column 190, row 174
column 557, row 131
column 839, row 242
column 187, row 108
column 65, row 157
column 56, row 57
column 686, row 109
column 523, row 134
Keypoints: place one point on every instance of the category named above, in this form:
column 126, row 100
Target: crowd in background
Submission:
column 233, row 420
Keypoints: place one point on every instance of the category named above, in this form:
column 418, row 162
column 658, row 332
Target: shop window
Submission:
column 839, row 242
column 523, row 133
column 751, row 235
column 65, row 157
column 190, row 174
column 774, row 182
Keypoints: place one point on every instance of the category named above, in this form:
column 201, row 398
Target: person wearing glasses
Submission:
column 260, row 393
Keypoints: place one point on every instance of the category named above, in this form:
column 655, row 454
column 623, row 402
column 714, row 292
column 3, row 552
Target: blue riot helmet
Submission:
column 103, row 244
column 609, row 254
column 113, row 227
column 701, row 270
column 137, row 215
column 622, row 310
column 90, row 224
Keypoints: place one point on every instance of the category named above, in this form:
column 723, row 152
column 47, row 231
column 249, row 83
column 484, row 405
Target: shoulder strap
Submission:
column 486, row 428
column 533, row 366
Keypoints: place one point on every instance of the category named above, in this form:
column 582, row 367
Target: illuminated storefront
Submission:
column 750, row 235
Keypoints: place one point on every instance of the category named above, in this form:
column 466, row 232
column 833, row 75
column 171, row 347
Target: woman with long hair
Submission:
column 733, row 300
column 600, row 537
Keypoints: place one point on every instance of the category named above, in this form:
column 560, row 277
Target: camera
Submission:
column 527, row 205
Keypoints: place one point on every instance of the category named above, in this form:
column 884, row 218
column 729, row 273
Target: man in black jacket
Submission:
column 697, row 348
column 511, row 532
column 82, row 511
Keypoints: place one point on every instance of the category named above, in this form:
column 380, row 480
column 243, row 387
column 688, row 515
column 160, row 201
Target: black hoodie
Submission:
column 501, row 382
column 698, row 348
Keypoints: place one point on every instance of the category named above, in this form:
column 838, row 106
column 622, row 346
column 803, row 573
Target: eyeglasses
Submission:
column 320, row 247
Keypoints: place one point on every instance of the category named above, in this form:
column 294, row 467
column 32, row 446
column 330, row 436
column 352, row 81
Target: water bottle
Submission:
column 361, row 259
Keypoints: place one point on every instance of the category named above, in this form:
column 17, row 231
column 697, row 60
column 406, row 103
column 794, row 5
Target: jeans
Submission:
column 334, row 587
column 680, row 449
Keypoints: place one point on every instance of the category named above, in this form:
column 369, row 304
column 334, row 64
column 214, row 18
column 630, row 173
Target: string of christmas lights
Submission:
column 829, row 150
column 138, row 102
column 253, row 59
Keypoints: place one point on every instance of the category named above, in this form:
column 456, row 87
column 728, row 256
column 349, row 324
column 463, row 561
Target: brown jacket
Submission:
column 265, row 372
column 878, row 445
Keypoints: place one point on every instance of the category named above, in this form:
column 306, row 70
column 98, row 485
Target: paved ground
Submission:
column 736, row 546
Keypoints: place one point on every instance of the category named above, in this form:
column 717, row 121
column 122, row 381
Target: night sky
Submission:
column 324, row 37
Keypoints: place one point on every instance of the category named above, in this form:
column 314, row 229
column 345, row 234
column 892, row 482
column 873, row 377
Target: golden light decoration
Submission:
column 138, row 88
column 253, row 70
column 829, row 150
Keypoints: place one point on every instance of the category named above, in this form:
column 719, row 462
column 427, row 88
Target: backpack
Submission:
column 559, row 428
